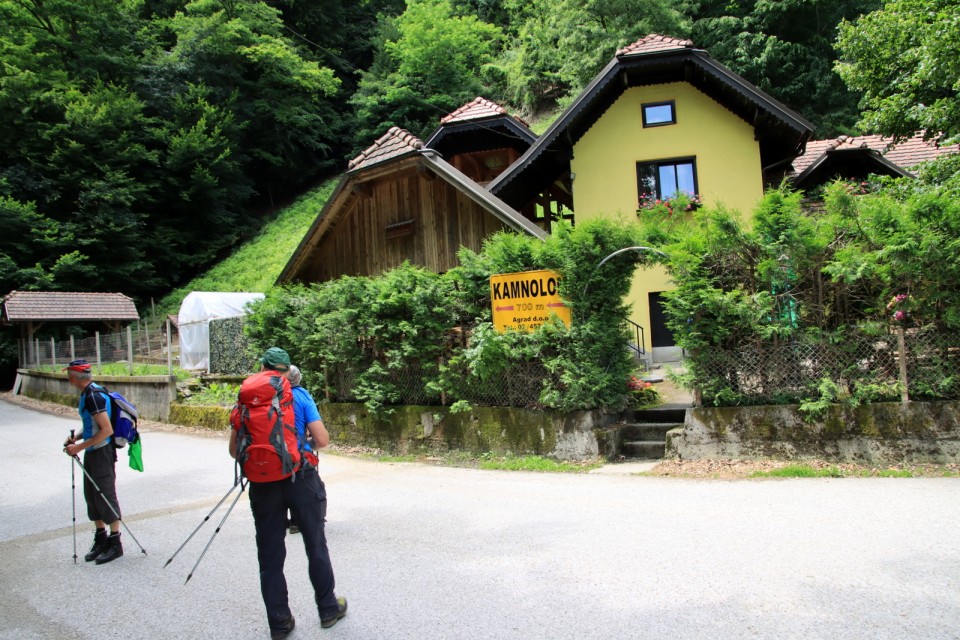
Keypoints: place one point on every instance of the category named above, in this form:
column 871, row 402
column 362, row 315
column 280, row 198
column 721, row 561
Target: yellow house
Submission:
column 661, row 117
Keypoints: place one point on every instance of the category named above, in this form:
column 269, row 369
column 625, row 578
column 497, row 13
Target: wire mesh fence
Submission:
column 417, row 383
column 866, row 366
column 137, row 345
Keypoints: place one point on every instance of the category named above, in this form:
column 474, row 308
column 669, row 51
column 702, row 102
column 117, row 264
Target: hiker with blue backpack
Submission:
column 282, row 474
column 99, row 463
column 305, row 413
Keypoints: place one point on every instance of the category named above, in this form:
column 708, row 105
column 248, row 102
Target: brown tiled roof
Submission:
column 20, row 306
column 906, row 153
column 654, row 43
column 476, row 109
column 395, row 142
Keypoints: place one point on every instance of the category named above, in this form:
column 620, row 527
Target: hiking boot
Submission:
column 326, row 623
column 113, row 550
column 284, row 631
column 99, row 545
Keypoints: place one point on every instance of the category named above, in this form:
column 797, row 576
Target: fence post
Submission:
column 326, row 383
column 169, row 350
column 53, row 352
column 99, row 362
column 36, row 353
column 73, row 351
column 146, row 333
column 902, row 345
column 130, row 348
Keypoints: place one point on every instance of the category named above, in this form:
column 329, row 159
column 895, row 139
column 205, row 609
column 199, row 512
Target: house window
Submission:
column 666, row 178
column 657, row 114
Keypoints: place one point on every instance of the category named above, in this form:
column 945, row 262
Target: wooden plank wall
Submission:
column 444, row 220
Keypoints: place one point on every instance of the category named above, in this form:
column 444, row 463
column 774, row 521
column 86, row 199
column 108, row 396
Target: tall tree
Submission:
column 785, row 47
column 905, row 59
column 557, row 46
column 430, row 63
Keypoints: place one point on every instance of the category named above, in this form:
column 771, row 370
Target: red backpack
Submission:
column 267, row 446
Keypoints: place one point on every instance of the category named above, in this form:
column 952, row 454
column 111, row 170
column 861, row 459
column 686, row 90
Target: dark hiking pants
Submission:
column 307, row 500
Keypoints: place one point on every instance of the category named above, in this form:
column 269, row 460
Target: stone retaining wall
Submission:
column 884, row 432
column 568, row 436
column 152, row 395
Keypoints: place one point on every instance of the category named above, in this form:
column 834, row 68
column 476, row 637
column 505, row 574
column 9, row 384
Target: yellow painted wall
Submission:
column 605, row 164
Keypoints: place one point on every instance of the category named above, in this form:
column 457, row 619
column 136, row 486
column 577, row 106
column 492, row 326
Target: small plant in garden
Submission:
column 642, row 393
column 216, row 393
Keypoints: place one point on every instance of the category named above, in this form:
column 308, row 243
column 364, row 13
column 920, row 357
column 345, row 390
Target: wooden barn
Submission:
column 399, row 201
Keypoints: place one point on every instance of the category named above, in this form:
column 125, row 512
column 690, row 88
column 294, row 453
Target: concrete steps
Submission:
column 643, row 434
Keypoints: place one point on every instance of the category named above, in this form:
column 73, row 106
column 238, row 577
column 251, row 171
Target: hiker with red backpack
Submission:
column 283, row 475
column 99, row 463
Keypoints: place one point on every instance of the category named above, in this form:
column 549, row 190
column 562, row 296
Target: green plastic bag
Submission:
column 135, row 453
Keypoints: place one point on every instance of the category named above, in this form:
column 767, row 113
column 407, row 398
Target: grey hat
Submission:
column 294, row 375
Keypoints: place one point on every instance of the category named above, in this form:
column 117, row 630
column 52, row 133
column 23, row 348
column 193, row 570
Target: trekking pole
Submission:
column 97, row 487
column 202, row 522
column 73, row 500
column 243, row 487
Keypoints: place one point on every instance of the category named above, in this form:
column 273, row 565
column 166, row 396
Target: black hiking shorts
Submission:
column 101, row 464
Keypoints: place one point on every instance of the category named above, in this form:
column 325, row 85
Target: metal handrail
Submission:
column 638, row 346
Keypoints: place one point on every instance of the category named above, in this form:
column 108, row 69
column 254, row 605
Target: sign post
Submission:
column 524, row 301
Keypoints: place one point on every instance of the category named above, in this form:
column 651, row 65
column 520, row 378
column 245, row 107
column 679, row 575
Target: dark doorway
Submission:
column 660, row 335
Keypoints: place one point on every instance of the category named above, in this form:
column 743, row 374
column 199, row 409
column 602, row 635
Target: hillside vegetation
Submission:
column 255, row 265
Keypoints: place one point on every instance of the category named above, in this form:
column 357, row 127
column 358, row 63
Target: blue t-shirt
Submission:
column 304, row 412
column 93, row 401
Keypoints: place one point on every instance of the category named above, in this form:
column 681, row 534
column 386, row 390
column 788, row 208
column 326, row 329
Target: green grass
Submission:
column 805, row 471
column 476, row 461
column 895, row 473
column 255, row 265
column 122, row 369
column 534, row 463
column 799, row 471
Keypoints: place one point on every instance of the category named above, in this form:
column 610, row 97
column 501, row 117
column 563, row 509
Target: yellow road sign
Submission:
column 524, row 301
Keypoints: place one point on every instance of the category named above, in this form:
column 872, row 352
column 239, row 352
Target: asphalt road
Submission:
column 427, row 552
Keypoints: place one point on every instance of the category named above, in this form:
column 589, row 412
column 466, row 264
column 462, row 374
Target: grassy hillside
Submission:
column 255, row 265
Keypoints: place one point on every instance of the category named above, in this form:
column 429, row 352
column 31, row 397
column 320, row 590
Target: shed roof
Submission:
column 480, row 125
column 905, row 154
column 67, row 306
column 395, row 143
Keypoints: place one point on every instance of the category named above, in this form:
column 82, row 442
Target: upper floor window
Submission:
column 663, row 179
column 656, row 114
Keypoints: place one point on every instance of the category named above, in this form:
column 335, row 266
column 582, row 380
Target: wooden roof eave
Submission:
column 523, row 133
column 500, row 209
column 316, row 231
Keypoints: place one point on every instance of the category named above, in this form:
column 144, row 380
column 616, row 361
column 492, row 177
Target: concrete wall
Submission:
column 501, row 430
column 882, row 432
column 152, row 395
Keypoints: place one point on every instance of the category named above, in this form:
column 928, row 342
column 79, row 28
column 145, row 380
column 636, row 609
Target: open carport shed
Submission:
column 31, row 310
